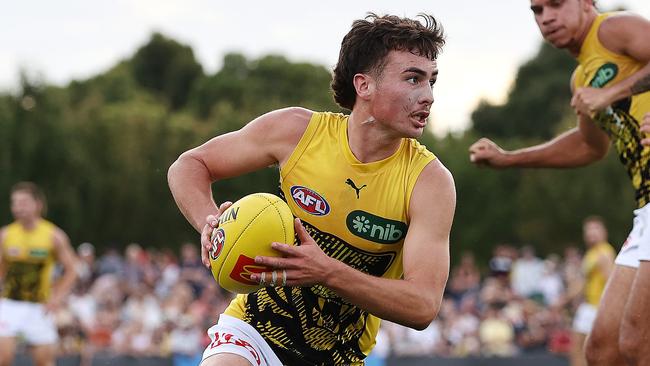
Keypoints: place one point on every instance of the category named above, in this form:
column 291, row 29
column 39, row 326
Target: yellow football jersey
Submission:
column 595, row 279
column 28, row 260
column 599, row 67
column 357, row 213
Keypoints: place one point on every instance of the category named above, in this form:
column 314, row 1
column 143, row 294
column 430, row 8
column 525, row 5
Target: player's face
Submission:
column 24, row 206
column 403, row 93
column 561, row 22
column 594, row 232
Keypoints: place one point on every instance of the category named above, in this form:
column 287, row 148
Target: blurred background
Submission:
column 98, row 99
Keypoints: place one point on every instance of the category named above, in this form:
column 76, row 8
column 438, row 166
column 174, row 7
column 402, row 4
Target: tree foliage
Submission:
column 537, row 101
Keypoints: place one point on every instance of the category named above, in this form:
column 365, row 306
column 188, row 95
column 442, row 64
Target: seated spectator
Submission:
column 465, row 278
column 496, row 334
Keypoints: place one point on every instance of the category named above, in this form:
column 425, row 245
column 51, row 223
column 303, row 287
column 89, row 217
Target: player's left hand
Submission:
column 587, row 101
column 302, row 265
column 53, row 303
column 645, row 129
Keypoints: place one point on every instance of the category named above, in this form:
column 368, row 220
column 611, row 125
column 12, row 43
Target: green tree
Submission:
column 537, row 101
column 167, row 68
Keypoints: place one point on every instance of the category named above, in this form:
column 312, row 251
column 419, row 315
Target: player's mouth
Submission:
column 420, row 118
column 551, row 33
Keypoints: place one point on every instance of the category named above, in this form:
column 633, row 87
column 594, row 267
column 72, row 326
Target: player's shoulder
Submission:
column 619, row 27
column 290, row 122
column 3, row 233
column 290, row 116
column 437, row 177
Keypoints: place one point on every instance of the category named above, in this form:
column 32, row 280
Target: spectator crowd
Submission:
column 156, row 303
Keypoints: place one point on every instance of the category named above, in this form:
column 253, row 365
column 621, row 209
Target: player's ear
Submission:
column 364, row 85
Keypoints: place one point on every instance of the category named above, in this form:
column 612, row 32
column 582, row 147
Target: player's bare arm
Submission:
column 413, row 301
column 67, row 258
column 3, row 235
column 579, row 146
column 267, row 140
column 606, row 264
column 625, row 34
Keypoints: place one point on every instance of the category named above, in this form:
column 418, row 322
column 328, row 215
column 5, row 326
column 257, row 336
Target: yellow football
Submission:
column 247, row 229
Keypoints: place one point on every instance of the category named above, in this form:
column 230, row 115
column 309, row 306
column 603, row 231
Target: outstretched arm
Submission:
column 413, row 301
column 577, row 147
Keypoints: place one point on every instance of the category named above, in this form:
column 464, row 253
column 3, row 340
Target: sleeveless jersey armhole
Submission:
column 417, row 169
column 305, row 140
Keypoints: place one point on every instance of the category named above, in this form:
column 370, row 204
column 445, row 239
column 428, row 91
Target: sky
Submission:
column 64, row 40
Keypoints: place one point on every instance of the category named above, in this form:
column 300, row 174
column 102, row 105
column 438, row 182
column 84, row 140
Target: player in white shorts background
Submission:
column 29, row 249
column 597, row 265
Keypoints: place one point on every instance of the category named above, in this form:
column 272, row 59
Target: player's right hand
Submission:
column 486, row 152
column 645, row 128
column 211, row 222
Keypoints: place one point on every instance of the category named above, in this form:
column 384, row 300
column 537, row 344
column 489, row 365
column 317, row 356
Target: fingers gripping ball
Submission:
column 247, row 229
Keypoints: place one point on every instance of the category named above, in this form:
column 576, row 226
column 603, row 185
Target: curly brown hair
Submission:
column 365, row 47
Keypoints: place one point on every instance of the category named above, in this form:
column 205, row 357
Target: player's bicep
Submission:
column 261, row 143
column 426, row 247
column 63, row 251
column 627, row 34
column 636, row 43
column 594, row 139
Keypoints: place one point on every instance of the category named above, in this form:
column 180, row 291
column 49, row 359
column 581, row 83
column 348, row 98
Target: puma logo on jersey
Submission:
column 354, row 186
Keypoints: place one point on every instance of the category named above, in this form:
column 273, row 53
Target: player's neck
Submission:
column 28, row 223
column 368, row 140
column 576, row 46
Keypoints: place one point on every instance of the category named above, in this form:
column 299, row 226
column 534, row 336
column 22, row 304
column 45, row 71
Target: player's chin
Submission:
column 416, row 130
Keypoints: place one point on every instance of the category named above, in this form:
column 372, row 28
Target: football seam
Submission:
column 284, row 228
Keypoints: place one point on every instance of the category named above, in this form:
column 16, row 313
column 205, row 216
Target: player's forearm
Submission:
column 190, row 184
column 399, row 301
column 637, row 83
column 567, row 150
column 64, row 285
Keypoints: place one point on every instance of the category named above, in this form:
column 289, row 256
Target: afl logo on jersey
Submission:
column 310, row 201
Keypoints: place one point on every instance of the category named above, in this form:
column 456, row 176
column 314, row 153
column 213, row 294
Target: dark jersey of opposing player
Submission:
column 358, row 214
column 600, row 67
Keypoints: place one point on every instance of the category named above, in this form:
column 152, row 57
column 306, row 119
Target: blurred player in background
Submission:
column 597, row 265
column 30, row 247
column 610, row 97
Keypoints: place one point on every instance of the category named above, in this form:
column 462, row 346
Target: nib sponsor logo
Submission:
column 310, row 201
column 604, row 75
column 374, row 228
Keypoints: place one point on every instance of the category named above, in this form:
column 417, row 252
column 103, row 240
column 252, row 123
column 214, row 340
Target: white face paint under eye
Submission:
column 370, row 119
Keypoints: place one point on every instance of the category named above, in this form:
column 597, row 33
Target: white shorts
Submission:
column 231, row 335
column 584, row 319
column 29, row 320
column 637, row 245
